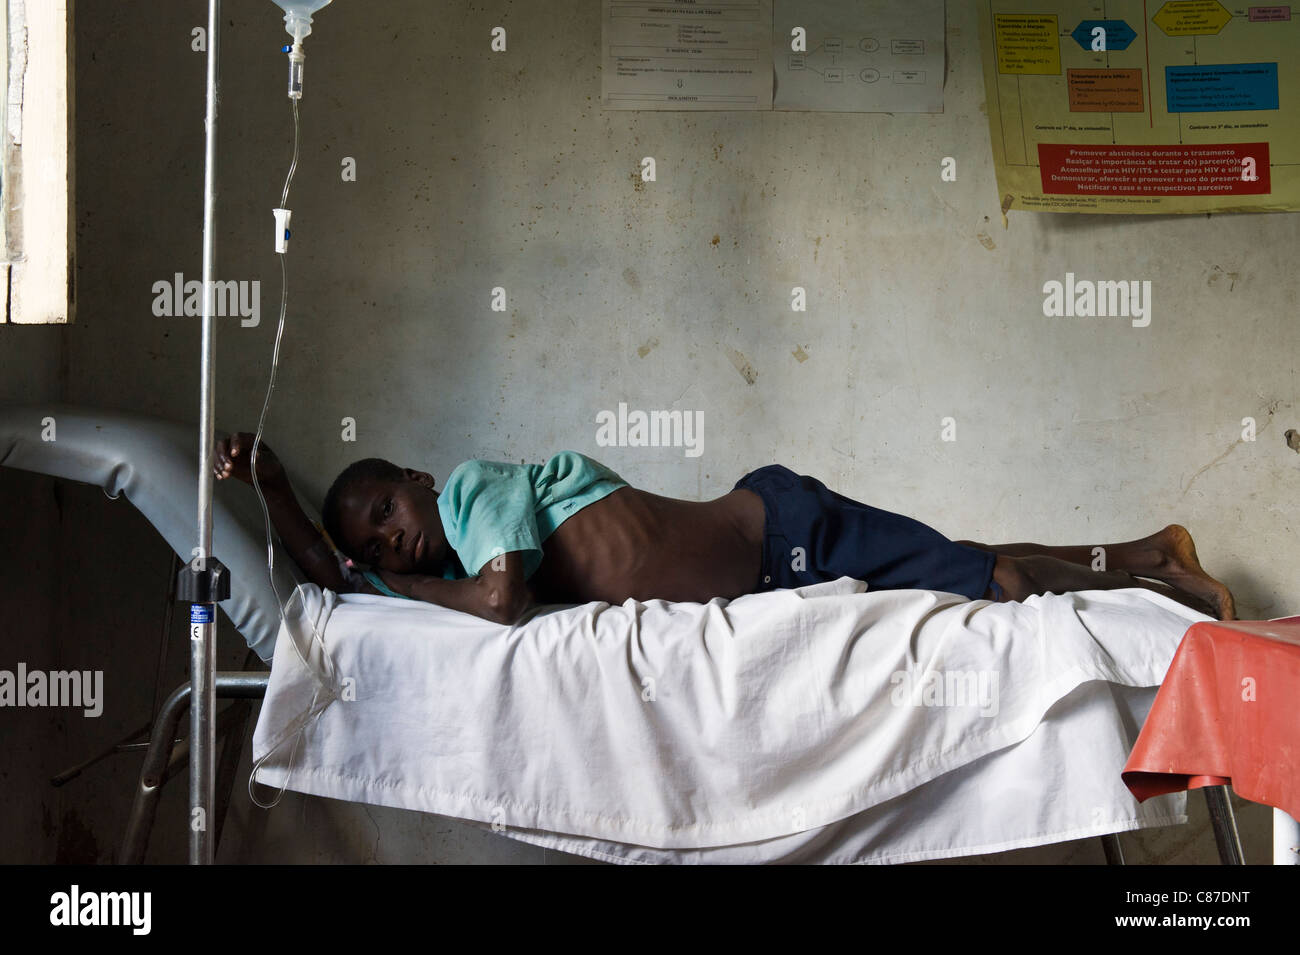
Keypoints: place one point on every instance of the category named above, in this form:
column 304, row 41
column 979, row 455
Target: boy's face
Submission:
column 395, row 524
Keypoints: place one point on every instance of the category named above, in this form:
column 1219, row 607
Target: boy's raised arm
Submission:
column 300, row 537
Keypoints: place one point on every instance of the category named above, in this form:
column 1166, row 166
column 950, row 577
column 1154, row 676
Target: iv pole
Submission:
column 203, row 582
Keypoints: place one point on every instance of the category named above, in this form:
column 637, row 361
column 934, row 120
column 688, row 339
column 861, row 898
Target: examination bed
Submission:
column 826, row 724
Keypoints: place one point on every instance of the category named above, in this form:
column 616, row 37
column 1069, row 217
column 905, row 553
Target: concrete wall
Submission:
column 479, row 170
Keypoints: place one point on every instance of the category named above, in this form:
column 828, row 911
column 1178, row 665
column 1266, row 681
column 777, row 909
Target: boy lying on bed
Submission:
column 501, row 538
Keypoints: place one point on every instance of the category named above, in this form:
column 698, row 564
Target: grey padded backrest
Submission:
column 154, row 462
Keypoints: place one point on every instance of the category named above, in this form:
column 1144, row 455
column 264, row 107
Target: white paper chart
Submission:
column 866, row 56
column 687, row 56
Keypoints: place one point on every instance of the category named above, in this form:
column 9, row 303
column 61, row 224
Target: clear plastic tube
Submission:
column 275, row 364
column 266, row 512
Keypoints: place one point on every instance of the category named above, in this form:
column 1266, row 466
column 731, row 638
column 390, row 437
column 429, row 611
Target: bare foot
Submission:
column 1183, row 570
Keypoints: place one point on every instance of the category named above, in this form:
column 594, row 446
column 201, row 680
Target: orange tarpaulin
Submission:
column 1227, row 713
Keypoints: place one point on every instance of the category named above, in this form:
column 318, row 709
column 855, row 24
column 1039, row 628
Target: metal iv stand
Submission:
column 203, row 582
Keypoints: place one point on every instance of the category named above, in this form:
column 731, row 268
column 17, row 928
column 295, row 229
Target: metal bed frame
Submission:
column 167, row 756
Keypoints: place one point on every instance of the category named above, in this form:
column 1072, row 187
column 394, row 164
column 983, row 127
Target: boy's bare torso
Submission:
column 633, row 544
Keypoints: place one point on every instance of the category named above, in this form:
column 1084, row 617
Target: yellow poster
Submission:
column 1143, row 106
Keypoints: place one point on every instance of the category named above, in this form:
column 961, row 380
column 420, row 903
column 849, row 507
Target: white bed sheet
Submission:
column 765, row 729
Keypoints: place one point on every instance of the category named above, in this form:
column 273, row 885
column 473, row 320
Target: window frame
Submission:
column 37, row 174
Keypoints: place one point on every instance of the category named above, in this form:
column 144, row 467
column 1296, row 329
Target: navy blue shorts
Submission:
column 813, row 534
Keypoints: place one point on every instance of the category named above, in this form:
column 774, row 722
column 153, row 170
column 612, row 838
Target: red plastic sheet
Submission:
column 1228, row 712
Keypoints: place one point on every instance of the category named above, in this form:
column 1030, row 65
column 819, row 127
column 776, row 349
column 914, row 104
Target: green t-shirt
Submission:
column 489, row 508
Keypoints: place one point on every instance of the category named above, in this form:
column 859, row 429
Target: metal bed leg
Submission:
column 164, row 753
column 1224, row 821
column 1114, row 851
